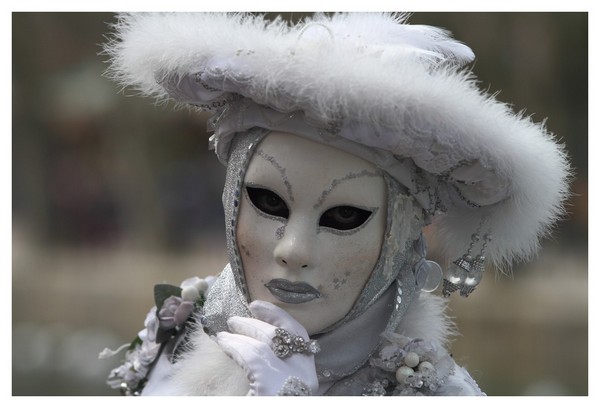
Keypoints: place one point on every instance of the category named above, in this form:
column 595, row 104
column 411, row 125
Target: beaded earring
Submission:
column 466, row 272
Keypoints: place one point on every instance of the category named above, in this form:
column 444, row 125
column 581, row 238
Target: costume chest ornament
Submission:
column 410, row 367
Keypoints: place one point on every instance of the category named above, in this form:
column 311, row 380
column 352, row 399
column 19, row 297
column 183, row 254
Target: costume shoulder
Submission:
column 415, row 357
column 427, row 318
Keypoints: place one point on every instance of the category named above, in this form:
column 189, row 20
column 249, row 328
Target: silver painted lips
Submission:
column 292, row 292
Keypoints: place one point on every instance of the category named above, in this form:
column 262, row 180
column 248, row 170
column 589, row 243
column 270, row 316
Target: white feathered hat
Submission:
column 391, row 92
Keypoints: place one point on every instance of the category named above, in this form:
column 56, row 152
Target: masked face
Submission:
column 310, row 227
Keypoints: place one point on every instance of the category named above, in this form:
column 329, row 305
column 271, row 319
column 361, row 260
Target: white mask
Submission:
column 310, row 227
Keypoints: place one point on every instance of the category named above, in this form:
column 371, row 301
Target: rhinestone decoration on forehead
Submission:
column 280, row 169
column 336, row 182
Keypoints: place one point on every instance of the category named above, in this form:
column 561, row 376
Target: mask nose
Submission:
column 295, row 251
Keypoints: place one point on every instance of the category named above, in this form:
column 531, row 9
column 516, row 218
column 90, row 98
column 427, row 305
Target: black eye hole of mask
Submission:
column 268, row 202
column 344, row 217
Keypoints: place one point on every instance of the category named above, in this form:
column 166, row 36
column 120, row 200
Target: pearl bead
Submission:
column 201, row 286
column 403, row 373
column 474, row 278
column 411, row 359
column 190, row 293
column 455, row 274
column 426, row 367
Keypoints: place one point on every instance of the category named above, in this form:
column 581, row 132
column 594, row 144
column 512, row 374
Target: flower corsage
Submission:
column 175, row 307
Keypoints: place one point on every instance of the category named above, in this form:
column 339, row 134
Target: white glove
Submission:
column 249, row 345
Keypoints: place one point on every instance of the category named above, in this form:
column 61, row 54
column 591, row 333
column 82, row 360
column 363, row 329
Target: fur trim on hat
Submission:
column 402, row 86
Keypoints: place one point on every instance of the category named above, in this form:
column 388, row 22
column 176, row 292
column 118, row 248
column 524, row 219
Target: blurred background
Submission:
column 113, row 193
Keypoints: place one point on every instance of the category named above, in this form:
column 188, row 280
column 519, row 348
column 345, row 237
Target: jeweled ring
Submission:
column 285, row 344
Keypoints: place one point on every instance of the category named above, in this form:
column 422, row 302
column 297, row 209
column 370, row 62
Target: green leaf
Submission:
column 163, row 291
column 200, row 301
column 137, row 341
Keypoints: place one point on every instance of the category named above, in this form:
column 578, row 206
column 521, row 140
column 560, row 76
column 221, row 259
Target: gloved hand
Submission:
column 250, row 345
